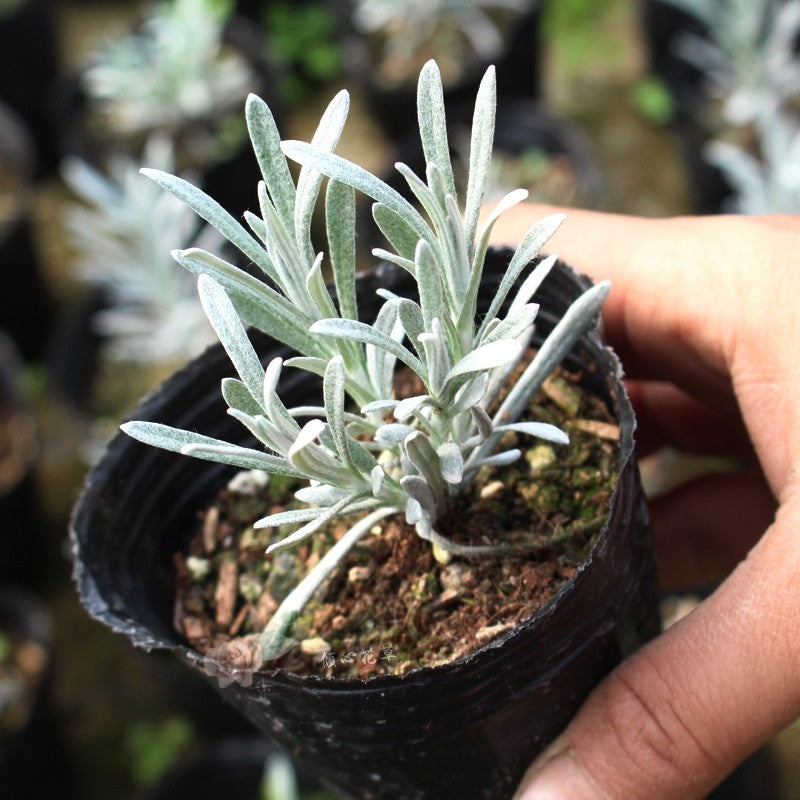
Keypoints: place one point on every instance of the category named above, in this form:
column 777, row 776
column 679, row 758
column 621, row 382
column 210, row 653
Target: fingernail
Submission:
column 557, row 777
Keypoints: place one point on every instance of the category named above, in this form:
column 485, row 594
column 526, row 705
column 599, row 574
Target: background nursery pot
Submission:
column 467, row 729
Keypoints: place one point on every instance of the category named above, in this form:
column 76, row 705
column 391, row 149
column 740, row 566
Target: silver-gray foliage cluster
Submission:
column 348, row 457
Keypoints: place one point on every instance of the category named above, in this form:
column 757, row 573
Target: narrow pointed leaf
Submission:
column 541, row 430
column 418, row 489
column 325, row 139
column 480, row 153
column 237, row 396
column 225, row 321
column 333, row 394
column 532, row 283
column 393, row 433
column 336, row 167
column 451, row 462
column 340, row 215
column 409, row 405
column 256, row 303
column 214, row 214
column 400, row 234
column 361, row 332
column 528, row 249
column 515, row 324
column 180, row 441
column 486, row 357
column 267, row 147
column 432, row 122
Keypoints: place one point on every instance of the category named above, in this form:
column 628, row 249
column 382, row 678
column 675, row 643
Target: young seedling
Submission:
column 346, row 456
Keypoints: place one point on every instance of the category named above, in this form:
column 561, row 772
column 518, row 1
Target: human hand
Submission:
column 703, row 314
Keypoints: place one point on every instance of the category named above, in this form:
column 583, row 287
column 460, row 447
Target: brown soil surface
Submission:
column 391, row 607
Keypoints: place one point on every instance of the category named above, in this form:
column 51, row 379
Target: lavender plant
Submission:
column 451, row 29
column 173, row 71
column 348, row 459
column 120, row 229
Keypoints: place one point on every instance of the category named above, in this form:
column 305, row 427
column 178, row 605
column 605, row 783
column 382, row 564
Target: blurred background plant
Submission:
column 173, row 74
column 122, row 232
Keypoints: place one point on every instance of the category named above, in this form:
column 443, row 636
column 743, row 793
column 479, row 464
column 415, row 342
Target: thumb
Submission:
column 680, row 714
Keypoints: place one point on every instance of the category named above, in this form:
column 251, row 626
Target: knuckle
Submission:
column 655, row 733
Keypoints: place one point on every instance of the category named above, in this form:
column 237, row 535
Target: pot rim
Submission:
column 478, row 659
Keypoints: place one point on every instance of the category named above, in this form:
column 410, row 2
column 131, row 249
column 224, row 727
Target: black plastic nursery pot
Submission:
column 467, row 729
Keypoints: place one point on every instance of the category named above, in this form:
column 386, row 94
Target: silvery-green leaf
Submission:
column 460, row 251
column 290, row 517
column 486, row 357
column 297, row 599
column 257, row 226
column 319, row 411
column 432, row 122
column 321, row 495
column 429, row 282
column 324, row 516
column 268, row 434
column 225, row 321
column 273, row 405
column 325, row 138
column 399, row 233
column 340, row 169
column 480, row 152
column 237, row 396
column 406, row 407
column 479, row 257
column 266, row 142
column 417, row 488
column 385, row 255
column 318, row 291
column 313, row 459
column 422, row 455
column 500, row 459
column 517, row 321
column 178, row 441
column 528, row 249
column 333, row 394
column 340, row 216
column 411, row 318
column 393, row 433
column 289, row 264
column 451, row 462
column 506, row 202
column 542, row 430
column 360, row 457
column 532, row 283
column 214, row 214
column 470, row 394
column 413, row 511
column 578, row 318
column 378, row 405
column 241, row 457
column 377, row 479
column 361, row 332
column 256, row 303
column 308, row 363
column 429, row 203
column 381, row 362
column 482, row 421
